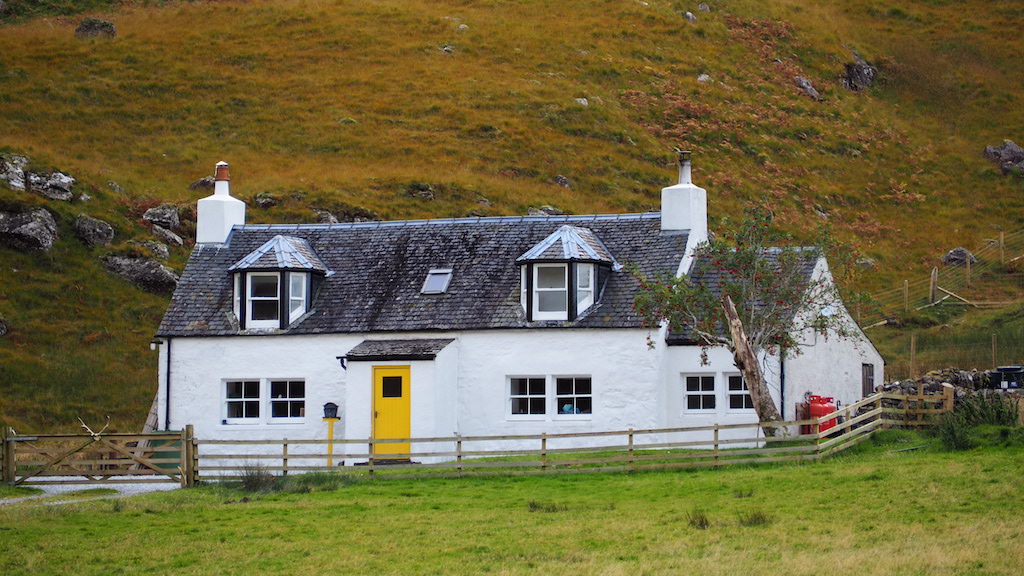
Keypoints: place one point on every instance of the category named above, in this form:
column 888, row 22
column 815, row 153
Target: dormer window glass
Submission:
column 584, row 287
column 297, row 295
column 550, row 299
column 437, row 281
column 261, row 298
column 264, row 300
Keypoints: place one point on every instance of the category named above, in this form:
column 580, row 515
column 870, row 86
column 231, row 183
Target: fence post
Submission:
column 716, row 444
column 458, row 454
column 8, row 455
column 194, row 448
column 544, row 452
column 188, row 457
column 183, row 457
column 632, row 467
column 369, row 462
column 284, row 457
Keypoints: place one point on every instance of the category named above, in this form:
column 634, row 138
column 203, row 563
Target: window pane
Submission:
column 551, row 301
column 392, row 387
column 736, row 383
column 264, row 310
column 583, row 404
column 550, row 277
column 563, row 386
column 234, row 389
column 519, row 386
column 583, row 276
column 520, row 405
column 537, row 406
column 536, row 386
column 297, row 284
column 263, row 286
column 583, row 385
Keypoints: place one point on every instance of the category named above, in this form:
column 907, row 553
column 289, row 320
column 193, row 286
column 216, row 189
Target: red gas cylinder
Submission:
column 820, row 406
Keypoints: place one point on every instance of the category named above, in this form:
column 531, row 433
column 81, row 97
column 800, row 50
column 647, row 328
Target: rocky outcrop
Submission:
column 1009, row 157
column 145, row 273
column 56, row 185
column 95, row 28
column 33, row 231
column 808, row 88
column 858, row 75
column 544, row 211
column 167, row 236
column 92, row 231
column 12, row 170
column 165, row 215
column 206, row 182
column 4, row 328
column 958, row 257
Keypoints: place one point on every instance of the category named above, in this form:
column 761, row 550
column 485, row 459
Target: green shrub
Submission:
column 989, row 407
column 256, row 478
column 954, row 432
column 699, row 520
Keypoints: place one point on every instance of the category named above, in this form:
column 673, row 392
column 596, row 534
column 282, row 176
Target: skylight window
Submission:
column 437, row 281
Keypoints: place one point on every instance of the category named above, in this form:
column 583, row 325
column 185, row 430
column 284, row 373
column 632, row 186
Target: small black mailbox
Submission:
column 330, row 410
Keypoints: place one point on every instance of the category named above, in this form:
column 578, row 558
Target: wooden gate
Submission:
column 98, row 458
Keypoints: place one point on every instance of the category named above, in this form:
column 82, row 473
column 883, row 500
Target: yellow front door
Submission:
column 391, row 410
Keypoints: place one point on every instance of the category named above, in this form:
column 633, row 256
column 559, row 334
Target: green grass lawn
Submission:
column 871, row 511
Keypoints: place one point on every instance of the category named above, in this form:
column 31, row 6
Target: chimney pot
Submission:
column 221, row 172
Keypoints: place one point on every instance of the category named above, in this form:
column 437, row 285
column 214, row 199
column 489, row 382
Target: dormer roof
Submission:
column 282, row 253
column 570, row 243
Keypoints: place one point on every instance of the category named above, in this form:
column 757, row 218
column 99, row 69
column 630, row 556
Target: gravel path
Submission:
column 51, row 488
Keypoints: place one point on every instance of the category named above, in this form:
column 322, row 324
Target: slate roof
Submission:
column 702, row 273
column 570, row 243
column 418, row 349
column 379, row 267
column 282, row 253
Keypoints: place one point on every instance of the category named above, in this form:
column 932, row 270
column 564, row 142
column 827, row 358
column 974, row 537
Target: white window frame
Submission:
column 560, row 399
column 250, row 301
column 587, row 292
column 550, row 397
column 228, row 400
column 264, row 402
column 290, row 400
column 543, row 397
column 733, row 393
column 701, row 392
column 299, row 297
column 539, row 314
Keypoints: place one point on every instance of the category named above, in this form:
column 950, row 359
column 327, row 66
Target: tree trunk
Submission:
column 746, row 361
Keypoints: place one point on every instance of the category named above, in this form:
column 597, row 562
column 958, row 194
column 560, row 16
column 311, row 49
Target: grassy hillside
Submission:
column 350, row 104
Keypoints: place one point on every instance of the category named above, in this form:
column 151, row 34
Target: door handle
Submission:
column 375, row 414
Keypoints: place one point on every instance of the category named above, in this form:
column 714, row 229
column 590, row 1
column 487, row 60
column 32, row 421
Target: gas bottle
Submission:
column 820, row 406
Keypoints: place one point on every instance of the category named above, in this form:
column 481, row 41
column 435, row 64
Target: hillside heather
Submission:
column 411, row 109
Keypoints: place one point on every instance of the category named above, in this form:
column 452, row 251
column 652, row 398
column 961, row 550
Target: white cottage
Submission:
column 471, row 326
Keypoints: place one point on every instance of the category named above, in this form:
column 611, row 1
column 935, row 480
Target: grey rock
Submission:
column 145, row 273
column 703, row 7
column 545, row 211
column 92, row 231
column 448, row 49
column 462, row 27
column 583, row 102
column 165, row 215
column 808, row 88
column 55, row 185
column 958, row 257
column 1009, row 157
column 115, row 187
column 689, row 16
column 325, row 217
column 167, row 236
column 704, row 78
column 563, row 181
column 4, row 327
column 203, row 183
column 83, row 198
column 867, row 263
column 34, row 231
column 95, row 28
column 265, row 200
column 158, row 250
column 859, row 74
column 12, row 170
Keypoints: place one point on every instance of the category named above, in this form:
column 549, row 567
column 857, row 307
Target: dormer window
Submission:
column 437, row 281
column 274, row 284
column 560, row 275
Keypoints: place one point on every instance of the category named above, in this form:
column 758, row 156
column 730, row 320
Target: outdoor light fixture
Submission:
column 153, row 344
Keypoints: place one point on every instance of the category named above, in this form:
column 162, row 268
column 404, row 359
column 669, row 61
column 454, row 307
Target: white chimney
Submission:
column 684, row 207
column 215, row 215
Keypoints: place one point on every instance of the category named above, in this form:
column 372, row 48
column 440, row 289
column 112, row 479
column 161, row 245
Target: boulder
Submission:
column 12, row 170
column 545, row 211
column 203, row 183
column 958, row 257
column 563, row 182
column 92, row 231
column 1009, row 157
column 145, row 273
column 265, row 200
column 95, row 28
column 165, row 215
column 325, row 217
column 4, row 328
column 55, row 185
column 689, row 16
column 167, row 236
column 808, row 88
column 158, row 250
column 34, row 231
column 703, row 7
column 858, row 74
column 704, row 77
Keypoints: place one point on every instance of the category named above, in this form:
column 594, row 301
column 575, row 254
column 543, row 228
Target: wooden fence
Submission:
column 180, row 457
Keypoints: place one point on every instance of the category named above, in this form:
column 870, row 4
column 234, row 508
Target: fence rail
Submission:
column 180, row 457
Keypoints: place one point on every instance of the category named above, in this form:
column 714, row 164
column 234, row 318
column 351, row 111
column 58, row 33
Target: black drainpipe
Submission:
column 167, row 389
column 782, row 381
